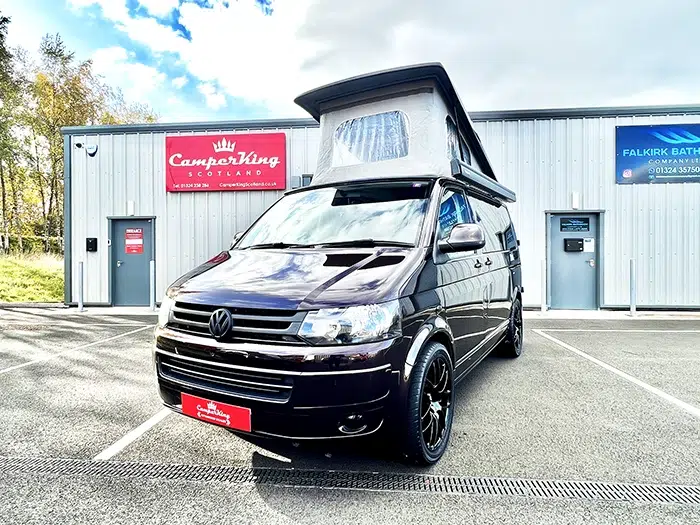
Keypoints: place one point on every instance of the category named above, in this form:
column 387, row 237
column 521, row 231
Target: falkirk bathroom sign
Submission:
column 230, row 162
column 657, row 154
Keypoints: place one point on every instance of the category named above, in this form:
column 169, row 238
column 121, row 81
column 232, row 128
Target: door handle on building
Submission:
column 591, row 263
column 119, row 263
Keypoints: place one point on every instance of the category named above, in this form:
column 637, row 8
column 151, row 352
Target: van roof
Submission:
column 312, row 100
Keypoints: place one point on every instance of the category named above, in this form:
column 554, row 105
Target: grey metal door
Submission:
column 132, row 251
column 573, row 261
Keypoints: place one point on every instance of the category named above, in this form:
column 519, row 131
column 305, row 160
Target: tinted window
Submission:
column 389, row 212
column 371, row 138
column 456, row 147
column 454, row 209
column 453, row 151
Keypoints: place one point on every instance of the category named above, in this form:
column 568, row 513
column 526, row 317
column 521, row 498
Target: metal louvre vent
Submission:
column 213, row 377
column 375, row 481
column 249, row 325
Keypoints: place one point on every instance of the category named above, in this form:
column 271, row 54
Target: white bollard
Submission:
column 81, row 306
column 633, row 288
column 152, row 288
column 544, row 285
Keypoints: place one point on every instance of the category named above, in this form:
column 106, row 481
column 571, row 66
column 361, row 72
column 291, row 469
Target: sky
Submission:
column 245, row 59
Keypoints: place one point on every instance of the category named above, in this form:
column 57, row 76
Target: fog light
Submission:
column 352, row 424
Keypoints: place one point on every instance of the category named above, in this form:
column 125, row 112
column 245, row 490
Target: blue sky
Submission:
column 143, row 62
column 241, row 59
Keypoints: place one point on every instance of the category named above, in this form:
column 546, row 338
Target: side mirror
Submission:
column 463, row 238
column 235, row 239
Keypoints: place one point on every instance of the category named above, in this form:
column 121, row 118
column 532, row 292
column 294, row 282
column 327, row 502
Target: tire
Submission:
column 512, row 345
column 428, row 425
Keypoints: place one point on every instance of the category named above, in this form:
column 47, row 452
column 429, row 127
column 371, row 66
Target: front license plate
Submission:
column 228, row 416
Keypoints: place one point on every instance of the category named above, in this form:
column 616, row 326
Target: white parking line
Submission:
column 660, row 393
column 75, row 349
column 132, row 436
column 641, row 331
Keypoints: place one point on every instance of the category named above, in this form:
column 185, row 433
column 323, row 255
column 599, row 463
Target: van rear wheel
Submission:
column 430, row 406
column 512, row 345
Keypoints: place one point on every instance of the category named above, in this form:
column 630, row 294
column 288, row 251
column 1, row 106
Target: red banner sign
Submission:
column 133, row 240
column 217, row 413
column 232, row 162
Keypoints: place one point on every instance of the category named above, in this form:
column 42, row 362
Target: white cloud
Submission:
column 214, row 99
column 159, row 7
column 138, row 81
column 114, row 10
column 147, row 31
column 548, row 53
column 179, row 82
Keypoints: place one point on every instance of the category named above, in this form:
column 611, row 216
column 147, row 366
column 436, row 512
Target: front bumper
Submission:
column 296, row 392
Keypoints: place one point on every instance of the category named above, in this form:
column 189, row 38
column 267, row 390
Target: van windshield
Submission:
column 385, row 212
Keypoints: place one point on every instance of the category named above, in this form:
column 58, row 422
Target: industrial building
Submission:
column 596, row 188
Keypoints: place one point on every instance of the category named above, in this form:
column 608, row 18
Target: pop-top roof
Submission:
column 313, row 100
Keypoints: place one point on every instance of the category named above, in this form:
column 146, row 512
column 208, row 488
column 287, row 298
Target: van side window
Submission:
column 456, row 147
column 453, row 151
column 492, row 221
column 454, row 209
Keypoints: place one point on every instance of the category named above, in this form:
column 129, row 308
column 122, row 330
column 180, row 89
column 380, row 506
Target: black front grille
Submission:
column 225, row 380
column 250, row 325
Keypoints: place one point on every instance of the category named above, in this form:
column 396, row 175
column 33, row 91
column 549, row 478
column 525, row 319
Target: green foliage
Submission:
column 36, row 101
column 35, row 279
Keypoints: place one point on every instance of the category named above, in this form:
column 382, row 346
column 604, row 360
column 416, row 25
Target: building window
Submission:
column 372, row 138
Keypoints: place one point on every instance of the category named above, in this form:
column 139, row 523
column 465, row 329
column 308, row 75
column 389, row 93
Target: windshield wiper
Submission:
column 278, row 245
column 365, row 243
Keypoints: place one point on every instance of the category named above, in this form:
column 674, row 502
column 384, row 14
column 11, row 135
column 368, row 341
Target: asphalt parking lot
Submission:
column 609, row 404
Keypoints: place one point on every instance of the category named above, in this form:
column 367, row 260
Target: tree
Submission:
column 36, row 101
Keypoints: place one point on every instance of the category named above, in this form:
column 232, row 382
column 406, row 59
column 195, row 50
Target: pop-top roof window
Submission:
column 372, row 138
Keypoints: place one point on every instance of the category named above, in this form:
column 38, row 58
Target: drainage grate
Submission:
column 375, row 481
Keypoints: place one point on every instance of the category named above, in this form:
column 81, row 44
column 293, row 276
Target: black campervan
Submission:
column 353, row 306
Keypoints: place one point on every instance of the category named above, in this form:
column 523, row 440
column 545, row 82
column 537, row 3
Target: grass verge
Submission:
column 31, row 279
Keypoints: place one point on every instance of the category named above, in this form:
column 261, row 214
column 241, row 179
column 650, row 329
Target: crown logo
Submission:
column 224, row 145
column 211, row 405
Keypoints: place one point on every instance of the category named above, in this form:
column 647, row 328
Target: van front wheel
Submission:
column 430, row 406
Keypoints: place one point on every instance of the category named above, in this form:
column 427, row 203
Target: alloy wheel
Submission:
column 435, row 403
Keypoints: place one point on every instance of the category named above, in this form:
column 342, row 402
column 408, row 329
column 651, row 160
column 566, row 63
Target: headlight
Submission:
column 164, row 311
column 355, row 324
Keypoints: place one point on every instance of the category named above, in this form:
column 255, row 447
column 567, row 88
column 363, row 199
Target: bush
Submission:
column 32, row 244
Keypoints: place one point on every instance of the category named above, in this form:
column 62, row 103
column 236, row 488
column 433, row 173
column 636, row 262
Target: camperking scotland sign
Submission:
column 229, row 162
column 657, row 154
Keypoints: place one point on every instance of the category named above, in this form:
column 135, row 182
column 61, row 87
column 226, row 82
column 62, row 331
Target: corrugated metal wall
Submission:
column 190, row 227
column 544, row 161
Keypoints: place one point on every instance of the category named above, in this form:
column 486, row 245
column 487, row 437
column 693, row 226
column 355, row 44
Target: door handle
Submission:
column 478, row 264
column 119, row 263
column 488, row 262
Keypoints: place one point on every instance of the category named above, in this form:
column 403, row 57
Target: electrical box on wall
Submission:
column 91, row 244
column 573, row 245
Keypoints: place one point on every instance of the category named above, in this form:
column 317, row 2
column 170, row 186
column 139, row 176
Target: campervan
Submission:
column 355, row 305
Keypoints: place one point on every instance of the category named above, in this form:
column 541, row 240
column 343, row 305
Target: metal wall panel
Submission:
column 190, row 227
column 544, row 161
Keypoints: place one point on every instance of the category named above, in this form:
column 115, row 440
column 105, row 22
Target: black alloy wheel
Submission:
column 430, row 406
column 513, row 343
column 435, row 403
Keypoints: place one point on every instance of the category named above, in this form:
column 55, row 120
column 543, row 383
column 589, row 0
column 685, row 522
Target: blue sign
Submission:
column 657, row 154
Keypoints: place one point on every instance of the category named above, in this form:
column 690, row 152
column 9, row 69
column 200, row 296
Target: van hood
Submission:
column 302, row 279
